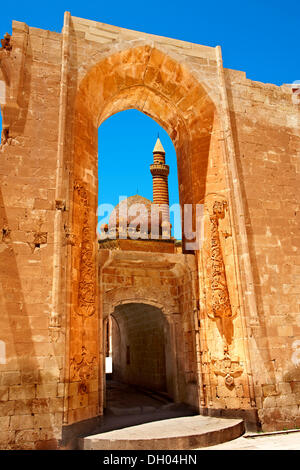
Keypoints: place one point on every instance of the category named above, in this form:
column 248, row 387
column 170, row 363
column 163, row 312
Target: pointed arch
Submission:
column 146, row 79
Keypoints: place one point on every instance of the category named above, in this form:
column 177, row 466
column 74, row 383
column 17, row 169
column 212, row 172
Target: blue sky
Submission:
column 132, row 154
column 258, row 37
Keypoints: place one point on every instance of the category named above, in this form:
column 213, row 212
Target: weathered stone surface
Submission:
column 236, row 313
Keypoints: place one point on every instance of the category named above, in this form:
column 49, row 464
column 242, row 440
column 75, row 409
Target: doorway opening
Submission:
column 138, row 346
column 139, row 374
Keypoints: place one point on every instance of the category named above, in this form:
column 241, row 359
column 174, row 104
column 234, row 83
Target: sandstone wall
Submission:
column 32, row 372
column 265, row 123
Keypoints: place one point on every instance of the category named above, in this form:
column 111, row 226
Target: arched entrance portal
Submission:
column 146, row 79
column 149, row 80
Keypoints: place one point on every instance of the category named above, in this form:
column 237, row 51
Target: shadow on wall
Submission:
column 267, row 364
column 27, row 355
column 18, row 350
column 1, row 93
column 2, row 100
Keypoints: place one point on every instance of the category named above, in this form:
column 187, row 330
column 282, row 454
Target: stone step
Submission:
column 189, row 432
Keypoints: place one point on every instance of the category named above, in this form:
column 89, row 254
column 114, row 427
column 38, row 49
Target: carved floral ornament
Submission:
column 87, row 282
column 83, row 369
column 227, row 368
column 219, row 295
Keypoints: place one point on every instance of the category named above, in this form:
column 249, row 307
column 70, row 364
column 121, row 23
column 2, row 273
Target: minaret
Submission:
column 160, row 171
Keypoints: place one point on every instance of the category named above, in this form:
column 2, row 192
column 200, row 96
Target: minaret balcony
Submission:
column 159, row 169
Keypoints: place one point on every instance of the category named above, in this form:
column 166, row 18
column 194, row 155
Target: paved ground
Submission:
column 129, row 406
column 124, row 399
column 276, row 441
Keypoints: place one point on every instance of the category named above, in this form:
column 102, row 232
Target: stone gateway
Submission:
column 228, row 313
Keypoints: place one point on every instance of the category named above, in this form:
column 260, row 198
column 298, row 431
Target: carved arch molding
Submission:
column 125, row 295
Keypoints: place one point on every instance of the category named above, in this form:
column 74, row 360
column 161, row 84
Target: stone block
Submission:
column 44, row 420
column 4, row 422
column 22, row 392
column 269, row 390
column 3, row 394
column 60, row 389
column 47, row 390
column 49, row 375
column 26, row 436
column 56, row 405
column 21, row 422
column 6, row 439
column 50, row 433
column 29, row 377
column 7, row 408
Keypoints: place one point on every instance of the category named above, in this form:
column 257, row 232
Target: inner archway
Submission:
column 138, row 351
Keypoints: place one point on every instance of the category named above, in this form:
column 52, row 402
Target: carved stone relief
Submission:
column 54, row 327
column 227, row 368
column 220, row 301
column 70, row 238
column 39, row 238
column 60, row 204
column 218, row 295
column 87, row 288
column 83, row 369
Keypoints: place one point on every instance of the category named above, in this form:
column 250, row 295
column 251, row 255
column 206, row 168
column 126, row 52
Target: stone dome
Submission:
column 136, row 206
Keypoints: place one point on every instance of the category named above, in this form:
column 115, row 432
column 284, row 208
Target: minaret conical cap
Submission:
column 158, row 148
